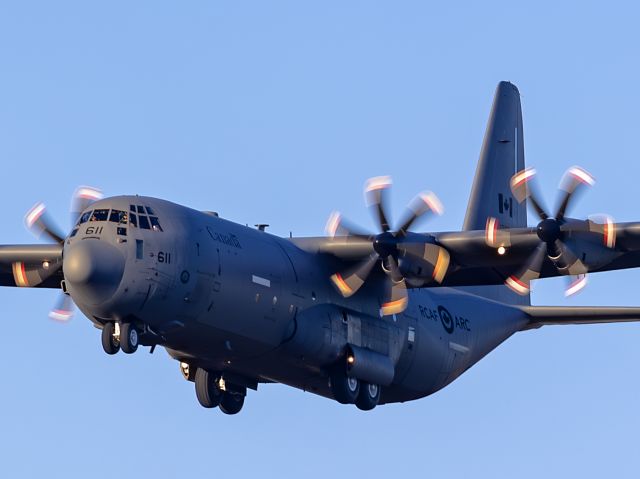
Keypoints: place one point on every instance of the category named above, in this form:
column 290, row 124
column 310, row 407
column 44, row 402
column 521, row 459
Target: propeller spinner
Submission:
column 390, row 247
column 552, row 232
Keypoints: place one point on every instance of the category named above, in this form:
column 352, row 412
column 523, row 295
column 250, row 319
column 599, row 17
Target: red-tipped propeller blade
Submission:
column 396, row 296
column 63, row 309
column 375, row 193
column 522, row 189
column 350, row 282
column 425, row 202
column 432, row 254
column 521, row 282
column 574, row 179
column 38, row 222
column 338, row 226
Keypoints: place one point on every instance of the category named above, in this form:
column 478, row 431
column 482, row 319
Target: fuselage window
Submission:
column 149, row 210
column 118, row 216
column 144, row 222
column 133, row 220
column 141, row 210
column 155, row 224
column 100, row 215
column 85, row 217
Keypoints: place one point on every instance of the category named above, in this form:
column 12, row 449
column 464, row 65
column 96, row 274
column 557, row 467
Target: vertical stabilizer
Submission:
column 502, row 155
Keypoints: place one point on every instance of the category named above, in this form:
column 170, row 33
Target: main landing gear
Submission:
column 349, row 390
column 213, row 391
column 117, row 336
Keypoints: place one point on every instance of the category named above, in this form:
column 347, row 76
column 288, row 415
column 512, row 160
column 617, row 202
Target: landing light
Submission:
column 502, row 250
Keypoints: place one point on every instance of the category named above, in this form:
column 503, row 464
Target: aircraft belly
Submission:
column 454, row 331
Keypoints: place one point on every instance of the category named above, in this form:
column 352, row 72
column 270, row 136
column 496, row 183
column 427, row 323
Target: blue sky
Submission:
column 277, row 112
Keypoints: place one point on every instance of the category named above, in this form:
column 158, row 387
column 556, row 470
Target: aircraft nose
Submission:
column 93, row 270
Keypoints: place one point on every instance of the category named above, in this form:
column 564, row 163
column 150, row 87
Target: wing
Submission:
column 473, row 262
column 549, row 315
column 37, row 266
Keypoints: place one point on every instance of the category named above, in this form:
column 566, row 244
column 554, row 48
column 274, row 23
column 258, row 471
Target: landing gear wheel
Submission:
column 110, row 343
column 207, row 390
column 232, row 403
column 129, row 337
column 345, row 389
column 369, row 396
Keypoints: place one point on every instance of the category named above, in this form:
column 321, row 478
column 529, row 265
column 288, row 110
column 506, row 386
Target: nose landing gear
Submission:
column 117, row 336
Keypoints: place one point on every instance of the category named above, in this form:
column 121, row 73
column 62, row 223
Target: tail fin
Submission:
column 502, row 155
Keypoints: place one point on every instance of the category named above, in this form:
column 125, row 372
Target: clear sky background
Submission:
column 276, row 112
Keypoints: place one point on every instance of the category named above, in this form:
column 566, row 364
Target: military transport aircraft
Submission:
column 363, row 318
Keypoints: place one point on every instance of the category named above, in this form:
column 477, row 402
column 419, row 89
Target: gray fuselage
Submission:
column 232, row 298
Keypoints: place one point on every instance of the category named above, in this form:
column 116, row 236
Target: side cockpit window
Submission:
column 85, row 217
column 133, row 220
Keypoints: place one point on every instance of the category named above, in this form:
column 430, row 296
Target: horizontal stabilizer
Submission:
column 548, row 315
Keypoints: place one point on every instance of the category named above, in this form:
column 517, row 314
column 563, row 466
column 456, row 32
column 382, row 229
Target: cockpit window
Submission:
column 133, row 220
column 155, row 224
column 85, row 217
column 141, row 209
column 100, row 215
column 132, row 208
column 118, row 216
column 144, row 222
column 149, row 210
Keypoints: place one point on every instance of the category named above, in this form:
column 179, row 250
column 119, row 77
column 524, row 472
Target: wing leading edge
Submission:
column 559, row 315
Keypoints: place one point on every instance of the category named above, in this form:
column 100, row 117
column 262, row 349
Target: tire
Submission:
column 207, row 391
column 109, row 343
column 369, row 396
column 129, row 338
column 231, row 403
column 345, row 389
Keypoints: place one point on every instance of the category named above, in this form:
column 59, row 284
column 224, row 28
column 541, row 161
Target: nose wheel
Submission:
column 129, row 338
column 111, row 338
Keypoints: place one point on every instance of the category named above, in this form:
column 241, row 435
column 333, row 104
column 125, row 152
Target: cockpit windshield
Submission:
column 118, row 216
column 138, row 216
column 99, row 215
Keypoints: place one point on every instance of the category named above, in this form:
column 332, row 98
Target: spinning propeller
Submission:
column 552, row 231
column 390, row 248
column 37, row 220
